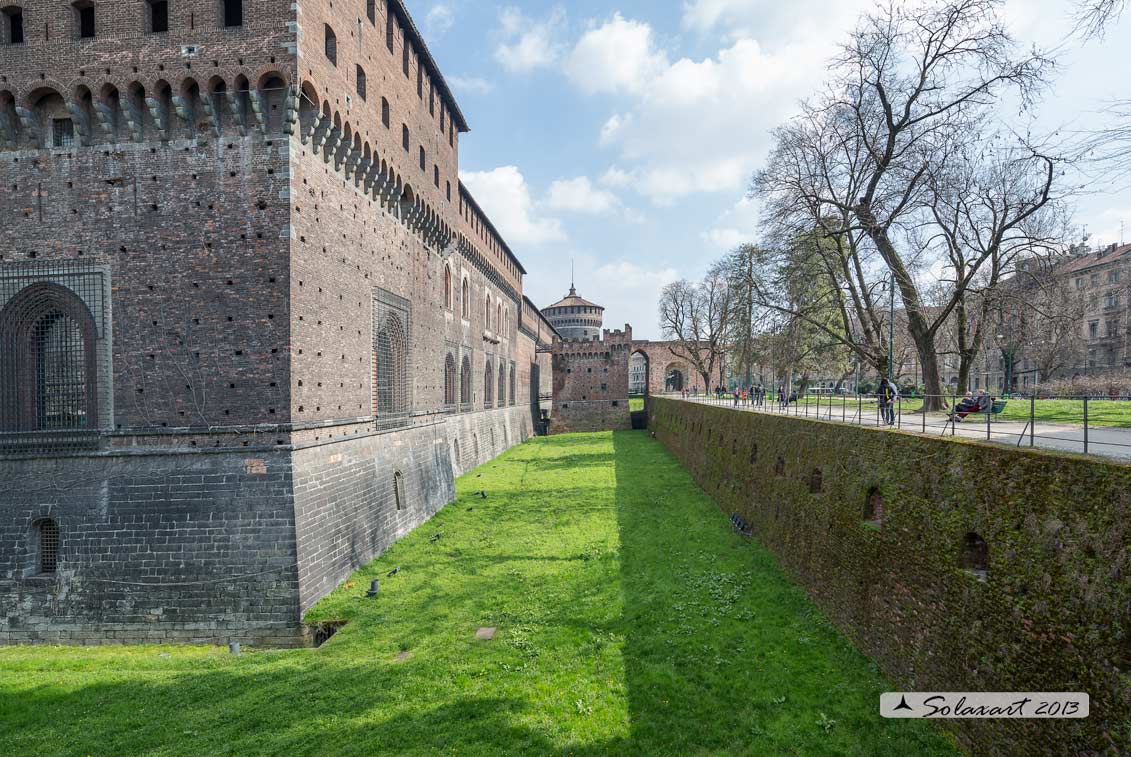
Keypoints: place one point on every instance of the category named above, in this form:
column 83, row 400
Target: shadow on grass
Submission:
column 631, row 621
column 722, row 652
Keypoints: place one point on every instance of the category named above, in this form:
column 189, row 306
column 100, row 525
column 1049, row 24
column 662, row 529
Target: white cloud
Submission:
column 619, row 56
column 617, row 177
column 440, row 19
column 737, row 225
column 703, row 15
column 629, row 292
column 580, row 196
column 505, row 196
column 471, row 84
column 686, row 126
column 527, row 44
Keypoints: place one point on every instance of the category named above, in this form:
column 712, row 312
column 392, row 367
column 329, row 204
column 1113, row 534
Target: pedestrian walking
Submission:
column 886, row 396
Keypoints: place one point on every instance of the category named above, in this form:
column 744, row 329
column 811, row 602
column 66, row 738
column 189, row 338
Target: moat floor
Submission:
column 630, row 619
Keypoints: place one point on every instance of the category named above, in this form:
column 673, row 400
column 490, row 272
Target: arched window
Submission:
column 46, row 534
column 816, row 481
column 512, row 395
column 975, row 555
column 488, row 385
column 465, row 301
column 48, row 379
column 874, row 506
column 487, row 313
column 391, row 368
column 499, row 318
column 233, row 12
column 361, row 82
column 13, row 17
column 502, row 399
column 465, row 383
column 448, row 287
column 331, row 45
column 450, row 382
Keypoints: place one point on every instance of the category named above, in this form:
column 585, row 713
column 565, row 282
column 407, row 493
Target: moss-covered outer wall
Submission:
column 1054, row 610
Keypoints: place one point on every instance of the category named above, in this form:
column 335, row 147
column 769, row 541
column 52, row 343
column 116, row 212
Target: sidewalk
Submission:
column 1101, row 440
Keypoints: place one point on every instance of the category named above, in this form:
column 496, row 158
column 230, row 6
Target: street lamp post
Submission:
column 891, row 329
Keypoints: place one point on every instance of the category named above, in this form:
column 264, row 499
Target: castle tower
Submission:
column 575, row 317
column 251, row 322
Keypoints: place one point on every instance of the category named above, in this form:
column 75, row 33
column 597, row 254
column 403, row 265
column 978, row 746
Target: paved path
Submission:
column 1101, row 440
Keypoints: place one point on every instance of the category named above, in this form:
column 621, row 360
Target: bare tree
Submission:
column 1094, row 16
column 915, row 88
column 696, row 315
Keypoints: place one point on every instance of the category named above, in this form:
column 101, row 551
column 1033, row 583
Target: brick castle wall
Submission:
column 591, row 383
column 246, row 203
column 882, row 530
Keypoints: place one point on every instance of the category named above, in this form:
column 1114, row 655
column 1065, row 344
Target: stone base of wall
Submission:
column 153, row 548
column 884, row 529
column 216, row 547
column 570, row 417
column 355, row 498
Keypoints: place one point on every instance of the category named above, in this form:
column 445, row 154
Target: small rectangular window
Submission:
column 233, row 12
column 404, row 137
column 86, row 21
column 371, row 10
column 423, row 160
column 15, row 25
column 419, row 79
column 158, row 16
column 385, row 114
column 431, row 98
column 62, row 132
column 361, row 82
column 404, row 56
column 390, row 29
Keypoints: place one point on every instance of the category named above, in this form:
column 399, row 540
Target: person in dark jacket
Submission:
column 886, row 396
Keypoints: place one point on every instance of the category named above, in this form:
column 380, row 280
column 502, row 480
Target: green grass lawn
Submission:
column 635, row 403
column 631, row 620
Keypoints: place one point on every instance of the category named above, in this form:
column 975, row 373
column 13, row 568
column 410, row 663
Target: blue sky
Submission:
column 623, row 135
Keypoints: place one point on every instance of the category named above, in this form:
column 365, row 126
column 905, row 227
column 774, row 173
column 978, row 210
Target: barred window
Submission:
column 392, row 402
column 465, row 383
column 48, row 337
column 450, row 380
column 62, row 132
column 47, row 546
column 488, row 385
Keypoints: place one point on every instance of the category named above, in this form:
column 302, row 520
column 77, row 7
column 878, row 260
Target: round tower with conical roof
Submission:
column 575, row 317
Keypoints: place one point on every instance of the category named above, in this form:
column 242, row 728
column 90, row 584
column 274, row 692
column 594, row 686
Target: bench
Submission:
column 997, row 408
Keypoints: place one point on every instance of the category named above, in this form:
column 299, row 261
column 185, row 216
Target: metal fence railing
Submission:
column 1090, row 425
